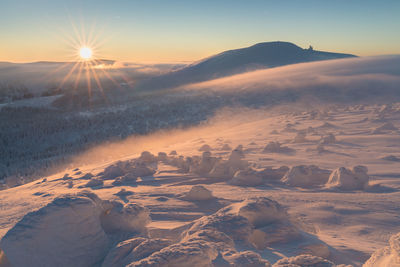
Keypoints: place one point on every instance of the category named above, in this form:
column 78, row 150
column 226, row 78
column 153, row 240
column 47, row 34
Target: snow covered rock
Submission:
column 128, row 178
column 226, row 147
column 66, row 232
column 227, row 168
column 132, row 250
column 254, row 220
column 345, row 179
column 306, row 176
column 94, row 183
column 199, row 192
column 139, row 168
column 248, row 177
column 147, row 157
column 210, row 235
column 204, row 166
column 162, row 156
column 304, row 261
column 276, row 147
column 273, row 174
column 388, row 256
column 300, row 138
column 328, row 139
column 190, row 253
column 391, row 158
column 72, row 230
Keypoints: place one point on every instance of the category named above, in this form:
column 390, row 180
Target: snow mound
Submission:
column 386, row 127
column 388, row 256
column 303, row 261
column 276, row 147
column 248, row 177
column 199, row 192
column 80, row 238
column 345, row 179
column 306, row 176
column 132, row 250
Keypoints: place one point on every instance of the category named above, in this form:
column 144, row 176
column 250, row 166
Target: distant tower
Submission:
column 310, row 48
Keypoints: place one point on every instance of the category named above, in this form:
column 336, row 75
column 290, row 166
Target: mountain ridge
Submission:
column 235, row 61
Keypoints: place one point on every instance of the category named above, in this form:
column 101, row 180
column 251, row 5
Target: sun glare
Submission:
column 85, row 53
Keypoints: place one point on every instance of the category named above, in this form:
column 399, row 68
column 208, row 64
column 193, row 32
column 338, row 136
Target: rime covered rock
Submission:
column 306, row 176
column 248, row 177
column 345, row 179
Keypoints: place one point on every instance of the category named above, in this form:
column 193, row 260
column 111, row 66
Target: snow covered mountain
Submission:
column 261, row 55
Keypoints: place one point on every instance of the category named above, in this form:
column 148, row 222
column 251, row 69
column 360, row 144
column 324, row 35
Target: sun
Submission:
column 85, row 53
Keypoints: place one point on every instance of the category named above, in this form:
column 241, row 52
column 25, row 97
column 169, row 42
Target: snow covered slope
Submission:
column 258, row 56
column 200, row 214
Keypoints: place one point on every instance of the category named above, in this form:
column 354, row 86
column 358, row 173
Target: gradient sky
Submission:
column 175, row 31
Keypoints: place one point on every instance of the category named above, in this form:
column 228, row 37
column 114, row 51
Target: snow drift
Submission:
column 388, row 256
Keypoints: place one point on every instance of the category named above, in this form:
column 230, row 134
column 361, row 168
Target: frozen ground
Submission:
column 250, row 188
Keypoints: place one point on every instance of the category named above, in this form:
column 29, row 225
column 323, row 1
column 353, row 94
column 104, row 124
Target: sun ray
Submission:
column 68, row 75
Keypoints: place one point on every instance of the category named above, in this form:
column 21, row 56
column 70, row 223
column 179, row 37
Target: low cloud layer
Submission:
column 369, row 75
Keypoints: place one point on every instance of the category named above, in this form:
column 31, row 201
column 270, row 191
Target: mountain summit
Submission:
column 258, row 56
